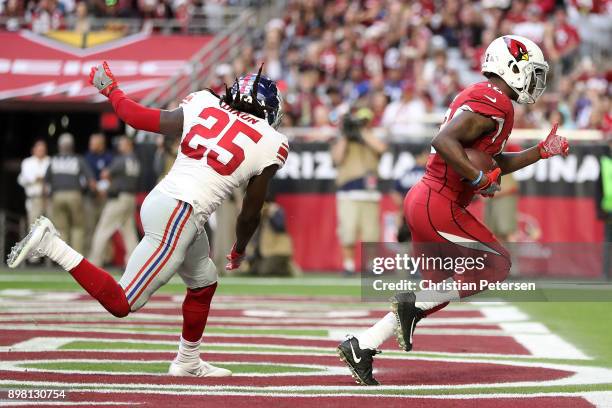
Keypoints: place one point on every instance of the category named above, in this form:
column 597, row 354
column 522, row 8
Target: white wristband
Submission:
column 477, row 179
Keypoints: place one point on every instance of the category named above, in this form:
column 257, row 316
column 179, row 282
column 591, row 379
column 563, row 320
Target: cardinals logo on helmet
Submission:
column 517, row 49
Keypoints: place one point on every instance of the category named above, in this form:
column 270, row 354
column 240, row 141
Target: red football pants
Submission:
column 443, row 229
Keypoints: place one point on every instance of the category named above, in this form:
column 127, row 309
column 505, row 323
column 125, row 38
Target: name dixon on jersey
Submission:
column 241, row 115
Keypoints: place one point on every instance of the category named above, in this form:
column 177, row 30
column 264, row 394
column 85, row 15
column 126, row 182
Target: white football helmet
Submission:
column 520, row 63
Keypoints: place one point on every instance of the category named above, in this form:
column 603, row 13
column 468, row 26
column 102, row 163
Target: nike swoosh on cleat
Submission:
column 357, row 360
column 491, row 99
column 412, row 328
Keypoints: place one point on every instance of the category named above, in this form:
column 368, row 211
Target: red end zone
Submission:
column 389, row 372
column 130, row 399
column 314, row 375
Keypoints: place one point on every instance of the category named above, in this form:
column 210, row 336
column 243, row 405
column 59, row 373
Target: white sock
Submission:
column 189, row 351
column 349, row 265
column 62, row 253
column 428, row 299
column 377, row 334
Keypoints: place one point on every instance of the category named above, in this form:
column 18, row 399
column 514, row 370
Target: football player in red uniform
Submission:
column 481, row 118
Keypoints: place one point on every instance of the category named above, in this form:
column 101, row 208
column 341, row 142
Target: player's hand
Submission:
column 489, row 185
column 235, row 259
column 102, row 78
column 553, row 144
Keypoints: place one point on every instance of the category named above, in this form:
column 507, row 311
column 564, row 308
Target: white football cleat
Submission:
column 33, row 245
column 201, row 369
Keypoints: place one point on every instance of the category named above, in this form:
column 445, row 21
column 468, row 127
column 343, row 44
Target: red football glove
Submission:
column 235, row 259
column 489, row 185
column 102, row 78
column 553, row 145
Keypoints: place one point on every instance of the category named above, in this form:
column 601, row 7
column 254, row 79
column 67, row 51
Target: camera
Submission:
column 353, row 123
column 351, row 128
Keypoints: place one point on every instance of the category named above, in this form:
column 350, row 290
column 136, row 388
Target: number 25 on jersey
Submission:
column 197, row 149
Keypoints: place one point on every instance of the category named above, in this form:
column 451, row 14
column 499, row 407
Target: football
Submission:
column 483, row 161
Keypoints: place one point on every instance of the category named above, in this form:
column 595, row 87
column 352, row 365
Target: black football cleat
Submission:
column 358, row 360
column 407, row 315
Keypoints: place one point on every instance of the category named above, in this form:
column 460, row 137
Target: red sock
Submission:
column 195, row 311
column 435, row 309
column 101, row 286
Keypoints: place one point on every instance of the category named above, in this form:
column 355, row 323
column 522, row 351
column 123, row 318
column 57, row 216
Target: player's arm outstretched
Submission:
column 134, row 114
column 551, row 146
column 250, row 214
column 462, row 130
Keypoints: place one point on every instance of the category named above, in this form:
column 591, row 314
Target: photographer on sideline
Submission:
column 356, row 154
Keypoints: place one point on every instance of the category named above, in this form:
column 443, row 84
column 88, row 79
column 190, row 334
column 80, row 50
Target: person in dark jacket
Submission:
column 67, row 176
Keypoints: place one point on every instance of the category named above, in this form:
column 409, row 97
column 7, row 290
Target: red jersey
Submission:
column 486, row 99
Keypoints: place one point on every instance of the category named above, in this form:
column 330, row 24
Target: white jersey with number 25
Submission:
column 220, row 149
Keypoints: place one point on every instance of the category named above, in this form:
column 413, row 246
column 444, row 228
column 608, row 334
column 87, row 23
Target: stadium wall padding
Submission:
column 557, row 202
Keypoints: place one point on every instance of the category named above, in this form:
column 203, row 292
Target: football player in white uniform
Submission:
column 226, row 141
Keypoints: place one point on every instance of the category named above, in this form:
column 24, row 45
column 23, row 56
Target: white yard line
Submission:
column 524, row 327
column 550, row 346
column 335, row 332
column 339, row 334
column 40, row 317
column 40, row 344
column 165, row 329
column 321, row 353
column 19, row 366
column 541, row 343
column 173, row 335
column 583, row 375
column 335, row 314
column 96, row 313
column 504, row 314
column 601, row 399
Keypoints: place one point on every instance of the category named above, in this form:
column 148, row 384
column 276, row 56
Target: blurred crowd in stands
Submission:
column 407, row 60
column 42, row 16
column 404, row 60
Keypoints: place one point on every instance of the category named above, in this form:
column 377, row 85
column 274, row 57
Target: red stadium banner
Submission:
column 556, row 205
column 38, row 68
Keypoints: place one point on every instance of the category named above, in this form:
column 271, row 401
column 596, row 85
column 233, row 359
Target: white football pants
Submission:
column 171, row 244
